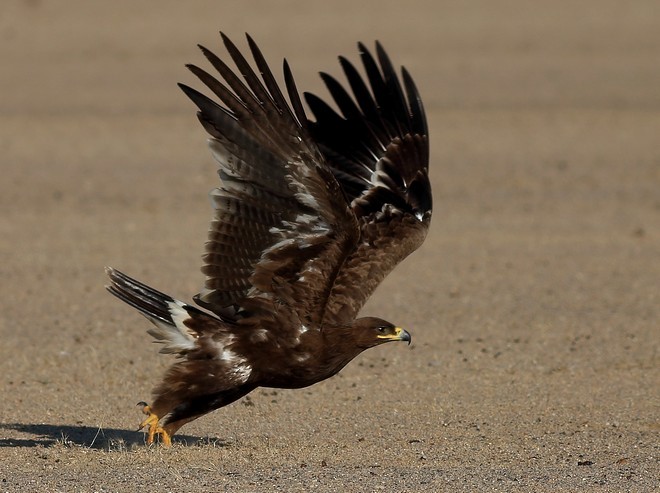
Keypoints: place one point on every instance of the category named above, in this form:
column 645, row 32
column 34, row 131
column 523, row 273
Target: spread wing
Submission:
column 378, row 150
column 282, row 226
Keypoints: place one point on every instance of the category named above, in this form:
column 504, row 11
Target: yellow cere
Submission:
column 396, row 335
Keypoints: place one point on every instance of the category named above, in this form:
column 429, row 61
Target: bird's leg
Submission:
column 154, row 428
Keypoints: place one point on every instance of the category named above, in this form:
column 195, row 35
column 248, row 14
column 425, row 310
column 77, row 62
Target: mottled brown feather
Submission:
column 378, row 150
column 282, row 226
column 309, row 219
column 370, row 158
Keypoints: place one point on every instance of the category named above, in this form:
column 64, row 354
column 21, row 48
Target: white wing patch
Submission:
column 378, row 179
column 301, row 330
column 258, row 335
column 301, row 358
column 241, row 372
column 177, row 338
column 307, row 199
column 237, row 366
column 230, row 357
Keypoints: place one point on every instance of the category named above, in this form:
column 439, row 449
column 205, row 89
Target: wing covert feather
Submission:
column 282, row 226
column 377, row 148
column 312, row 214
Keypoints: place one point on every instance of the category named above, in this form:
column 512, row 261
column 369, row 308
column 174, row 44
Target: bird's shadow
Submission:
column 47, row 435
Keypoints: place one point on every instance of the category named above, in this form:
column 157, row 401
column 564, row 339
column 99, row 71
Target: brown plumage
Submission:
column 310, row 218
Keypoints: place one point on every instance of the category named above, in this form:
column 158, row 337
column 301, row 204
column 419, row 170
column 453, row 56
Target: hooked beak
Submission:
column 399, row 335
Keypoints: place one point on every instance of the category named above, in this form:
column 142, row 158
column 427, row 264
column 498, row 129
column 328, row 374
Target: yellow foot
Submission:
column 154, row 428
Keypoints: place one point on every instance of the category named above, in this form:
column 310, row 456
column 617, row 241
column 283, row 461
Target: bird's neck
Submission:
column 340, row 347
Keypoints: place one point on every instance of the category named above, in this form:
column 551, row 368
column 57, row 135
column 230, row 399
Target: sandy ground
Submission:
column 534, row 304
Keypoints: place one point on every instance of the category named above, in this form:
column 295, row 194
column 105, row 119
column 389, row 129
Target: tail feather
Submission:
column 167, row 314
column 151, row 303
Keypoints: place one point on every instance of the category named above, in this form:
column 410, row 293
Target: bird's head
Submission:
column 372, row 331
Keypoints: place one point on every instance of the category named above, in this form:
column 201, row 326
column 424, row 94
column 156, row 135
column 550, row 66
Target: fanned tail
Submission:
column 177, row 324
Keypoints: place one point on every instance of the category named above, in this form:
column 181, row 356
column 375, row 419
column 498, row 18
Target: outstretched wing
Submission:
column 378, row 150
column 282, row 225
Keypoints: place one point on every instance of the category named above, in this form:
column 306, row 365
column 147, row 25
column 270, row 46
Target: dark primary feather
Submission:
column 378, row 150
column 312, row 215
column 282, row 227
column 380, row 114
column 151, row 303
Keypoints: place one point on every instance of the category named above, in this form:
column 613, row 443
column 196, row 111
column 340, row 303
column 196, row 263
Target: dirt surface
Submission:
column 534, row 304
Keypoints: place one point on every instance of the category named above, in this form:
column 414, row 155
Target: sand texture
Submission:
column 534, row 303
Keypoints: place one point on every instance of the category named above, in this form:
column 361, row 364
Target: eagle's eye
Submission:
column 382, row 329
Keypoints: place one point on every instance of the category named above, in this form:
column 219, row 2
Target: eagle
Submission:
column 310, row 216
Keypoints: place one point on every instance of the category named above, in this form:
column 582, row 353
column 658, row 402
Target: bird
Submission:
column 310, row 216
